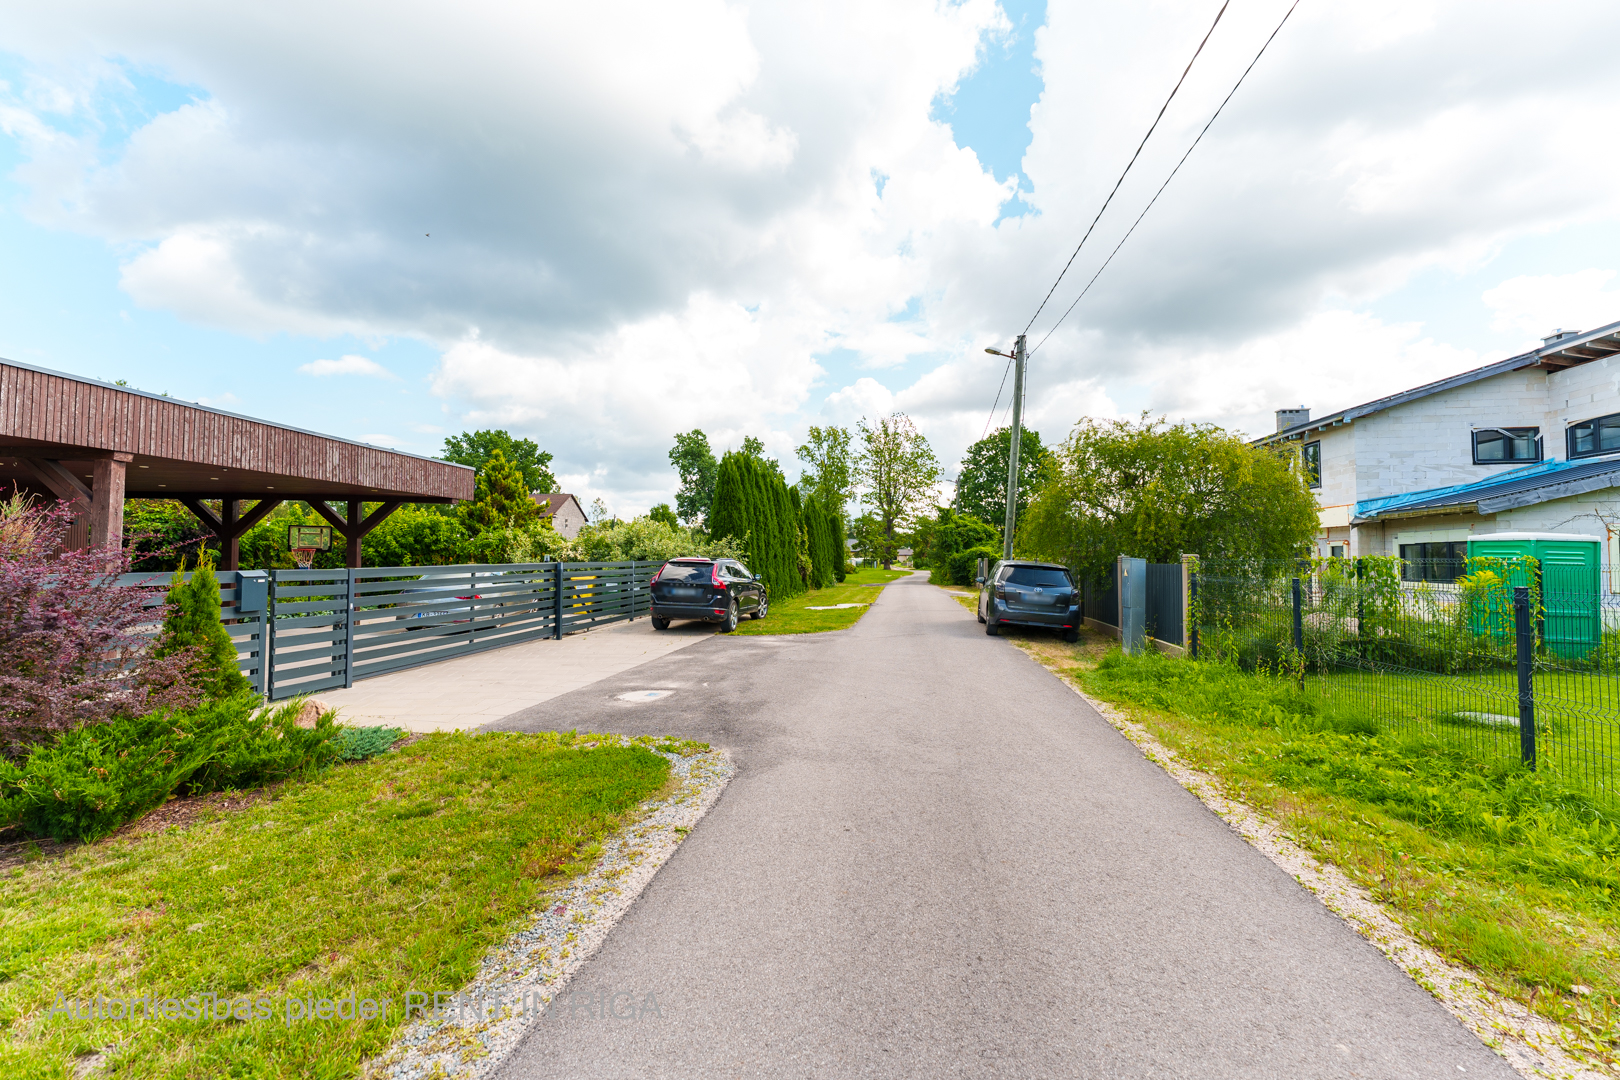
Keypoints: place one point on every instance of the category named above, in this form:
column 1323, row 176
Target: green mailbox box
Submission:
column 1567, row 572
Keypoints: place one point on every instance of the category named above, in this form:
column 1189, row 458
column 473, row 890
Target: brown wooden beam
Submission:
column 354, row 529
column 68, row 488
column 107, row 500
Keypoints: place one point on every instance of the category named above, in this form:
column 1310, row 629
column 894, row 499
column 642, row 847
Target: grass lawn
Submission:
column 1513, row 874
column 374, row 880
column 793, row 616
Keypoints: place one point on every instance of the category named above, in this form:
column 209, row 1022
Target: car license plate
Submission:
column 685, row 594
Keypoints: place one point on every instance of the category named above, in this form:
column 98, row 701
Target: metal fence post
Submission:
column 266, row 645
column 1299, row 625
column 1525, row 634
column 1192, row 614
column 556, row 625
column 348, row 631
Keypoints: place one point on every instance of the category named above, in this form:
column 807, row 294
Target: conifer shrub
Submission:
column 98, row 776
column 192, row 623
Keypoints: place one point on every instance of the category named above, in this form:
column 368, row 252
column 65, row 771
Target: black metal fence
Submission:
column 302, row 631
column 1507, row 658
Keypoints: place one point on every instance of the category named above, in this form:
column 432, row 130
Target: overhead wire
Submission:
column 997, row 402
column 1151, row 128
column 1167, row 179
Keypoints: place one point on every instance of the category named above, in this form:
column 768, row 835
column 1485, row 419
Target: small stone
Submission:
column 311, row 712
column 1581, row 990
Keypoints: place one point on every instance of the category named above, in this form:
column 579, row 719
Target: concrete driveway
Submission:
column 937, row 861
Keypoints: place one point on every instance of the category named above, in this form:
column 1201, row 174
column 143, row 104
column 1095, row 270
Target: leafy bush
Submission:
column 72, row 650
column 359, row 743
column 97, row 777
column 191, row 626
column 645, row 539
column 950, row 539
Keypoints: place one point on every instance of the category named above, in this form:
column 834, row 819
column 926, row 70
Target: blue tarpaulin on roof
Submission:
column 1544, row 474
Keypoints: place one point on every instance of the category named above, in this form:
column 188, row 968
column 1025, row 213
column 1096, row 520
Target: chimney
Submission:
column 1287, row 418
column 1557, row 335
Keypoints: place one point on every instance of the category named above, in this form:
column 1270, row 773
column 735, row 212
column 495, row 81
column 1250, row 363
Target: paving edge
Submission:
column 1531, row 1044
column 526, row 972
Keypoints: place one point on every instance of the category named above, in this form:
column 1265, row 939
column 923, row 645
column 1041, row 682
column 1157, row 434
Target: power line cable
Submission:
column 1002, row 387
column 1128, row 165
column 1167, row 180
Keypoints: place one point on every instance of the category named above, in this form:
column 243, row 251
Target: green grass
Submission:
column 1511, row 873
column 792, row 616
column 375, row 879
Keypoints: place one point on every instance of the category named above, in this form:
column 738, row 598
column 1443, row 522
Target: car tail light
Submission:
column 656, row 575
column 719, row 586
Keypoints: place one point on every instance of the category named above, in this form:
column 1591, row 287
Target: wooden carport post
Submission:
column 354, row 529
column 98, row 509
column 230, row 525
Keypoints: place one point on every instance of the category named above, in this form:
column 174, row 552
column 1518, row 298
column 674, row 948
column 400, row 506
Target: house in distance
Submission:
column 566, row 515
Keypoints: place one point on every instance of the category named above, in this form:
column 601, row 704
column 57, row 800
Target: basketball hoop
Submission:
column 305, row 540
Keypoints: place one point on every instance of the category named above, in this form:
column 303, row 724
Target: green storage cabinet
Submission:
column 1567, row 571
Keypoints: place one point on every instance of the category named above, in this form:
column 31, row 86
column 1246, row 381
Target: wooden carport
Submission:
column 93, row 445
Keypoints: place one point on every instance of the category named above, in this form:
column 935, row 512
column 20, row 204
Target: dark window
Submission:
column 1434, row 562
column 741, row 572
column 1037, row 577
column 1313, row 464
column 1598, row 436
column 1493, row 445
column 677, row 571
column 1336, row 551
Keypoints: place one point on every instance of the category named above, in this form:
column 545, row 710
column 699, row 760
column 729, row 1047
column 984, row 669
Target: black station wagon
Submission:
column 1020, row 593
column 711, row 590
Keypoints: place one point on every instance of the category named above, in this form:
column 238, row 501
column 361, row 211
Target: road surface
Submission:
column 936, row 860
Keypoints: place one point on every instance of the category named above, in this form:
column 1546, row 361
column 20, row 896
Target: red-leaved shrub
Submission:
column 73, row 648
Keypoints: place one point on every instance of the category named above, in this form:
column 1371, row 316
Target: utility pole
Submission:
column 1012, row 455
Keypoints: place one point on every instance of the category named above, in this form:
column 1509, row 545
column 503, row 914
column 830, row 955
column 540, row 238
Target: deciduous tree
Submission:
column 695, row 462
column 1155, row 491
column 900, row 477
column 475, row 448
column 829, row 466
column 981, row 482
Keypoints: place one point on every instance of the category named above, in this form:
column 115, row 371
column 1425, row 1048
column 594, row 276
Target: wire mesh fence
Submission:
column 1513, row 658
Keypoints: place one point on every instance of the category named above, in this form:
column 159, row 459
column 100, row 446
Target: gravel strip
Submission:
column 1530, row 1043
column 517, row 980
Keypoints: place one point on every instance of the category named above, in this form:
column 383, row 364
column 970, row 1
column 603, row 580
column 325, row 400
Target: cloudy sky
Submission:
column 597, row 225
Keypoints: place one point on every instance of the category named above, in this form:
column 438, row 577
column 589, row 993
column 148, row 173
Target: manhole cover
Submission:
column 644, row 695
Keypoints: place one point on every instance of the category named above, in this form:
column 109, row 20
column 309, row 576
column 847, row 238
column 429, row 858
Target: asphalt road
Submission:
column 937, row 861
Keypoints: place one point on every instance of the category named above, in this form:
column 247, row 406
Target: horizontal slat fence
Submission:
column 247, row 632
column 330, row 628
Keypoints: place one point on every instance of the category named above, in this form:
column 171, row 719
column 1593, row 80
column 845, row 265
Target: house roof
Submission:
column 551, row 502
column 1568, row 351
column 1508, row 491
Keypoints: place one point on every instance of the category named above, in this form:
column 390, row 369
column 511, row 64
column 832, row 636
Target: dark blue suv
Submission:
column 712, row 590
column 1021, row 593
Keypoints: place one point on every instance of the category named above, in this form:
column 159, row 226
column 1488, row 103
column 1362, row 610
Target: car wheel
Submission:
column 731, row 619
column 1071, row 636
column 660, row 623
column 992, row 629
column 980, row 617
column 763, row 609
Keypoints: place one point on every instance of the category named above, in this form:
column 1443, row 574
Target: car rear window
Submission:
column 677, row 571
column 1038, row 577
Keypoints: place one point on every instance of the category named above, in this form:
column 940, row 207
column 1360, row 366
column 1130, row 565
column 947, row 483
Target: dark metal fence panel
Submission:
column 309, row 632
column 599, row 593
column 1102, row 602
column 407, row 616
column 1164, row 602
column 247, row 629
column 1437, row 658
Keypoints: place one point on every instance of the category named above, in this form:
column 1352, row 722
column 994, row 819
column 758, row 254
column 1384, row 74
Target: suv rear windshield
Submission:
column 677, row 571
column 1037, row 577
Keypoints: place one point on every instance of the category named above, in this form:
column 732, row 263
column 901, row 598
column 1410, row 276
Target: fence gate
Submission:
column 1132, row 604
column 309, row 632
